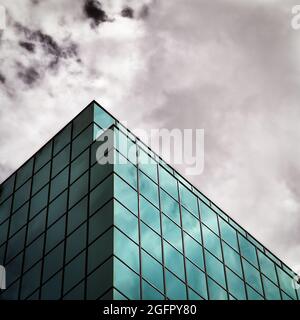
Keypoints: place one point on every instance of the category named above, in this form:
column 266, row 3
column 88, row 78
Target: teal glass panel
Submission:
column 55, row 234
column 271, row 291
column 209, row 217
column 212, row 242
column 39, row 201
column 176, row 289
column 82, row 120
column 78, row 189
column 34, row 253
column 193, row 295
column 18, row 219
column 58, row 207
column 236, row 285
column 43, row 156
column 99, row 172
column 53, row 262
column 102, row 118
column 100, row 250
column 151, row 242
column 285, row 282
column 125, row 194
column 252, row 294
column 101, row 221
column 193, row 251
column 60, row 161
column 126, row 280
column 148, row 189
column 76, row 242
column 82, row 141
column 24, row 173
column 102, row 193
column 172, row 233
column 52, row 289
column 168, row 182
column 228, row 234
column 173, row 260
column 214, row 268
column 62, row 139
column 126, row 221
column 252, row 276
column 3, row 232
column 131, row 255
column 196, row 279
column 248, row 250
column 191, row 225
column 22, row 195
column 126, row 170
column 149, row 293
column 267, row 267
column 16, row 244
column 147, row 165
column 74, row 272
column 189, row 200
column 170, row 207
column 79, row 166
column 100, row 281
column 215, row 291
column 59, row 183
column 152, row 271
column 36, row 226
column 5, row 209
column 6, row 189
column 77, row 215
column 41, row 178
column 77, row 293
column 232, row 259
column 31, row 280
column 150, row 214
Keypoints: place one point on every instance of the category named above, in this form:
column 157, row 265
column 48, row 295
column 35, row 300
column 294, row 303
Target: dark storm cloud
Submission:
column 29, row 75
column 127, row 12
column 29, row 46
column 144, row 12
column 93, row 10
column 2, row 78
column 49, row 46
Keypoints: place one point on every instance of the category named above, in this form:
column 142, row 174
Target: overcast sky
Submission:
column 230, row 67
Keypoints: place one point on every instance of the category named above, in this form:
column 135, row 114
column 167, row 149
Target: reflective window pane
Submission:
column 190, row 224
column 252, row 276
column 214, row 268
column 147, row 165
column 215, row 291
column 212, row 242
column 235, row 285
column 193, row 251
column 169, row 206
column 209, row 217
column 232, row 259
column 248, row 250
column 126, row 280
column 151, row 242
column 41, row 178
column 196, row 279
column 152, row 271
column 125, row 194
column 149, row 293
column 228, row 234
column 168, row 182
column 285, row 283
column 60, row 161
column 173, row 260
column 172, row 233
column 131, row 255
column 176, row 289
column 148, row 189
column 271, row 291
column 150, row 214
column 189, row 200
column 267, row 267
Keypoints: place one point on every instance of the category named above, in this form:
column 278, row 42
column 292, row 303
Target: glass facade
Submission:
column 71, row 228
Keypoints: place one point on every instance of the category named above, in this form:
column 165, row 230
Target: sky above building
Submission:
column 230, row 67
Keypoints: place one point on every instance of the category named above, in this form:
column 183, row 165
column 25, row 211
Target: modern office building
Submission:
column 71, row 228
